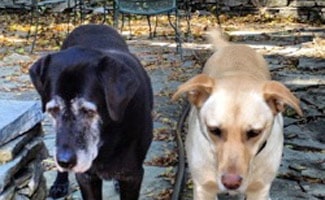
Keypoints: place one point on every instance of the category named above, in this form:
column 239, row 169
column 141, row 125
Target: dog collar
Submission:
column 261, row 148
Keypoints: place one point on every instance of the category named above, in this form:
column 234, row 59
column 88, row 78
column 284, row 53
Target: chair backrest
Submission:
column 146, row 7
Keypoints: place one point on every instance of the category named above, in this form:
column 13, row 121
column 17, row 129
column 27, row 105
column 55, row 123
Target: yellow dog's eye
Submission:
column 215, row 131
column 253, row 133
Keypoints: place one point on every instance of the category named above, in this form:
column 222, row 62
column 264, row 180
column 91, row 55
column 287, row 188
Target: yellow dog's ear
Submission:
column 198, row 89
column 277, row 96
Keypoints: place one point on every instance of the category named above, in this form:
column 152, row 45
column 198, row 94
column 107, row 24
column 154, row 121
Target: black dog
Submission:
column 100, row 98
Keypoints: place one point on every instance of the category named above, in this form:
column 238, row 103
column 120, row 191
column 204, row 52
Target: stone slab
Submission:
column 320, row 3
column 286, row 189
column 311, row 64
column 302, row 138
column 17, row 117
column 159, row 149
column 277, row 3
column 233, row 3
column 8, row 193
column 315, row 189
column 299, row 164
column 8, row 170
column 35, row 180
column 302, row 3
column 12, row 148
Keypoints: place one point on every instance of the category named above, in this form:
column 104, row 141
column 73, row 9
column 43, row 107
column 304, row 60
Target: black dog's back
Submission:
column 106, row 38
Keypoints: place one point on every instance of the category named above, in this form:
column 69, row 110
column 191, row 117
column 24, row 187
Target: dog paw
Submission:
column 59, row 190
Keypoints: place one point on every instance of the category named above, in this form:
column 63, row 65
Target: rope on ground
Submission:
column 179, row 181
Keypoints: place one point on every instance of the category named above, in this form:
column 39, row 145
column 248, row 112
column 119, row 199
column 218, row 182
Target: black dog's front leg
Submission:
column 60, row 186
column 130, row 189
column 90, row 186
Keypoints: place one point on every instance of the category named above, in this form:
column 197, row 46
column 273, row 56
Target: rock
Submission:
column 230, row 197
column 287, row 189
column 10, row 149
column 34, row 181
column 233, row 3
column 311, row 64
column 297, row 167
column 154, row 182
column 99, row 10
column 299, row 79
column 159, row 149
column 276, row 3
column 22, row 178
column 20, row 197
column 306, row 139
column 41, row 191
column 15, row 58
column 31, row 151
column 297, row 164
column 188, row 64
column 302, row 3
column 158, row 80
column 61, row 7
column 17, row 117
column 314, row 189
column 9, row 71
column 8, row 194
column 320, row 3
column 314, row 174
column 202, row 13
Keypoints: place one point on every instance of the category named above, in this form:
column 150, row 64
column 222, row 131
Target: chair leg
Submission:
column 115, row 15
column 75, row 13
column 122, row 26
column 130, row 29
column 68, row 13
column 188, row 18
column 34, row 9
column 105, row 9
column 218, row 13
column 177, row 34
column 81, row 10
column 149, row 24
column 155, row 30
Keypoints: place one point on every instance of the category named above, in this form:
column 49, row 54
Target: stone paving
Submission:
column 290, row 53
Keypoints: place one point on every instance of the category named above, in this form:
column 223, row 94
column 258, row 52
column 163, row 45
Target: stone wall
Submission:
column 21, row 151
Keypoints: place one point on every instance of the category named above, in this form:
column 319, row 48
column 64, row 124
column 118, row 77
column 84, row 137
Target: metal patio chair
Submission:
column 150, row 8
column 37, row 7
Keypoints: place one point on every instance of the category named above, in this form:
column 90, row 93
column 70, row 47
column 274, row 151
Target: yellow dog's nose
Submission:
column 231, row 181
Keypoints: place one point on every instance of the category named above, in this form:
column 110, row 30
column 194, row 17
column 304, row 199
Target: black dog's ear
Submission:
column 37, row 73
column 120, row 84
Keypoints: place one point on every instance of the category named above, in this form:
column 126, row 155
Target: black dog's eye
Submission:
column 215, row 131
column 253, row 133
column 88, row 112
column 54, row 111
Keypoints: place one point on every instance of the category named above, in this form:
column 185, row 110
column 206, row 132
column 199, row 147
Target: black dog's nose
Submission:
column 66, row 158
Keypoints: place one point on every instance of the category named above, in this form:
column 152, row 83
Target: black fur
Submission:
column 95, row 64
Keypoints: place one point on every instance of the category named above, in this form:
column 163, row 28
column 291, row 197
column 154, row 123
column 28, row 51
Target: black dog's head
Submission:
column 82, row 89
